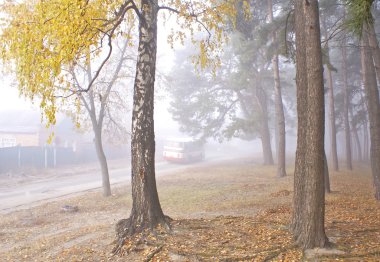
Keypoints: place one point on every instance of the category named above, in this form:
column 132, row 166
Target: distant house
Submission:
column 19, row 136
column 24, row 128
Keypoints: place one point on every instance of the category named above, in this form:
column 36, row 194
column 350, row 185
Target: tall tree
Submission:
column 372, row 94
column 361, row 21
column 146, row 209
column 39, row 38
column 279, row 108
column 99, row 105
column 262, row 99
column 347, row 105
column 330, row 85
column 309, row 187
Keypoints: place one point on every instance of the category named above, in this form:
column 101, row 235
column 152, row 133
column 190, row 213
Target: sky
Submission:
column 10, row 98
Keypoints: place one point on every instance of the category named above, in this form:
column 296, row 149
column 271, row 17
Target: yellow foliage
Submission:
column 41, row 40
column 205, row 21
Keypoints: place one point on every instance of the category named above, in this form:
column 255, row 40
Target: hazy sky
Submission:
column 10, row 99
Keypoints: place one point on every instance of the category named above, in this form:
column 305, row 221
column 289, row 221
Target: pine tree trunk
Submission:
column 308, row 226
column 372, row 94
column 300, row 161
column 347, row 130
column 264, row 130
column 366, row 145
column 334, row 153
column 103, row 161
column 327, row 176
column 280, row 118
column 356, row 138
column 146, row 210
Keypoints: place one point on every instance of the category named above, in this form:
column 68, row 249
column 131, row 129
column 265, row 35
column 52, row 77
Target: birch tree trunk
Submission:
column 146, row 210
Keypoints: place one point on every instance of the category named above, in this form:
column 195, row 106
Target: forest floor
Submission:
column 235, row 211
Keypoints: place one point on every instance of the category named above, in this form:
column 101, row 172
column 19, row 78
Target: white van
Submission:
column 183, row 150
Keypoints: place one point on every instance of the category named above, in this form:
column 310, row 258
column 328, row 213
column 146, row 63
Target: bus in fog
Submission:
column 183, row 150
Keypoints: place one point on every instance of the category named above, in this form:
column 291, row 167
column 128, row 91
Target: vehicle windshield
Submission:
column 175, row 144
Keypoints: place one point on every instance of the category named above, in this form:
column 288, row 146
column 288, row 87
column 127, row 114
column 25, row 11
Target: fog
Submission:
column 231, row 108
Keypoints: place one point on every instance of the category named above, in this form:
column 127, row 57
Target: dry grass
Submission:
column 236, row 211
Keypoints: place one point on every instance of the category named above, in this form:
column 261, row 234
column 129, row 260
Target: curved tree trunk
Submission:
column 103, row 162
column 264, row 130
column 280, row 118
column 347, row 130
column 308, row 226
column 146, row 210
column 372, row 94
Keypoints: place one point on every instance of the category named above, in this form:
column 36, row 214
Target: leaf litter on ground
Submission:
column 235, row 212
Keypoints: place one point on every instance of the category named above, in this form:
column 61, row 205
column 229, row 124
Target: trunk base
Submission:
column 281, row 172
column 128, row 228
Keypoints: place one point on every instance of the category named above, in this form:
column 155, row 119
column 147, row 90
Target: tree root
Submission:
column 127, row 230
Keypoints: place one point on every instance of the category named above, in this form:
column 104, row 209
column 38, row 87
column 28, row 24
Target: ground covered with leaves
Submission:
column 237, row 211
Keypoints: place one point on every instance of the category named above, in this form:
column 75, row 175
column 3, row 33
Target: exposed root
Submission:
column 127, row 231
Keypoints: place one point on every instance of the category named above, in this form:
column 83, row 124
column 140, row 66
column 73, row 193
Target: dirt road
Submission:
column 24, row 191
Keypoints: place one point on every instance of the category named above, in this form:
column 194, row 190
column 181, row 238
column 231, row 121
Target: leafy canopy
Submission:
column 41, row 41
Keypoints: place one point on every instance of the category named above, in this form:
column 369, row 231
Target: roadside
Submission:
column 236, row 211
column 31, row 187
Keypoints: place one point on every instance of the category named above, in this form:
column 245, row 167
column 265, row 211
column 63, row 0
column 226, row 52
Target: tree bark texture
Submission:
column 347, row 131
column 280, row 117
column 300, row 161
column 372, row 94
column 264, row 130
column 146, row 210
column 309, row 192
